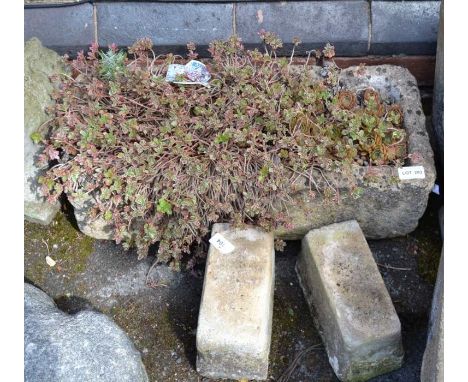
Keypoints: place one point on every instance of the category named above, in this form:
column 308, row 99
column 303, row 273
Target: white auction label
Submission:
column 221, row 243
column 412, row 172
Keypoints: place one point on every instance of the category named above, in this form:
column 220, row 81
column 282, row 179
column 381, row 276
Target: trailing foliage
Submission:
column 162, row 162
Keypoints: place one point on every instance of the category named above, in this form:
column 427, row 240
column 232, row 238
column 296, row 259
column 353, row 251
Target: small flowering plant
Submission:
column 162, row 162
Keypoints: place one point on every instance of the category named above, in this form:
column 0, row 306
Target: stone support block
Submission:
column 349, row 302
column 234, row 323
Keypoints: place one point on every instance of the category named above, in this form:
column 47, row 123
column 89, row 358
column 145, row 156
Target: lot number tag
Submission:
column 221, row 244
column 412, row 172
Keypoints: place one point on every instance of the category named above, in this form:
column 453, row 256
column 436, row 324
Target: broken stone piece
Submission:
column 349, row 302
column 234, row 324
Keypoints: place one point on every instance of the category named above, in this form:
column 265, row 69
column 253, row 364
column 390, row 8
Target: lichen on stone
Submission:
column 39, row 64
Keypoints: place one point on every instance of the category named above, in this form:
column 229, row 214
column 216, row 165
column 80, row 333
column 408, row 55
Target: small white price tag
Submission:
column 221, row 244
column 412, row 172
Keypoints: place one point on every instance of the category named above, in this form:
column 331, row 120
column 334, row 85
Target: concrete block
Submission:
column 404, row 27
column 170, row 25
column 234, row 323
column 63, row 29
column 345, row 24
column 349, row 302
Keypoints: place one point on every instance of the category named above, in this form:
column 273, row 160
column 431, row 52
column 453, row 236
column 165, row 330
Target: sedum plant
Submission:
column 162, row 162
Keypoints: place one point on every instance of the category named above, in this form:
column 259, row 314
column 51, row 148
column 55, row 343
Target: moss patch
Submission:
column 428, row 259
column 427, row 243
column 284, row 322
column 152, row 333
column 61, row 241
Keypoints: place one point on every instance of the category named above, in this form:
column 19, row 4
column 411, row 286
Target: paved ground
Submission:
column 162, row 319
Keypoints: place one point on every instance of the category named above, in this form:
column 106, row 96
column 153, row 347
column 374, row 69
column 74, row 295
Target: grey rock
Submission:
column 95, row 227
column 39, row 64
column 36, row 208
column 432, row 369
column 345, row 24
column 349, row 302
column 388, row 207
column 65, row 29
column 404, row 27
column 170, row 25
column 234, row 323
column 83, row 347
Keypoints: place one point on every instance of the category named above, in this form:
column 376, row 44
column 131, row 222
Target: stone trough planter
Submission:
column 387, row 207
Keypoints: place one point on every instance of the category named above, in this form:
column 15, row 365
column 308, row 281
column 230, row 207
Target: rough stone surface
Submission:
column 350, row 304
column 388, row 207
column 86, row 346
column 39, row 64
column 36, row 208
column 343, row 23
column 63, row 29
column 97, row 228
column 404, row 27
column 432, row 369
column 234, row 324
column 170, row 26
column 438, row 97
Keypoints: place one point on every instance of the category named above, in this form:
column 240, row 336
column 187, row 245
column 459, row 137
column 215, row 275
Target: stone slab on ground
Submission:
column 39, row 64
column 86, row 347
column 349, row 302
column 234, row 324
column 432, row 369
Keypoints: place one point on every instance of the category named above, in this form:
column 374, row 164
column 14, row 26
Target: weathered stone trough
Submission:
column 388, row 206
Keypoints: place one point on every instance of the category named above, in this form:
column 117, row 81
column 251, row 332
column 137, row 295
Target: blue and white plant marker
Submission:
column 192, row 73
